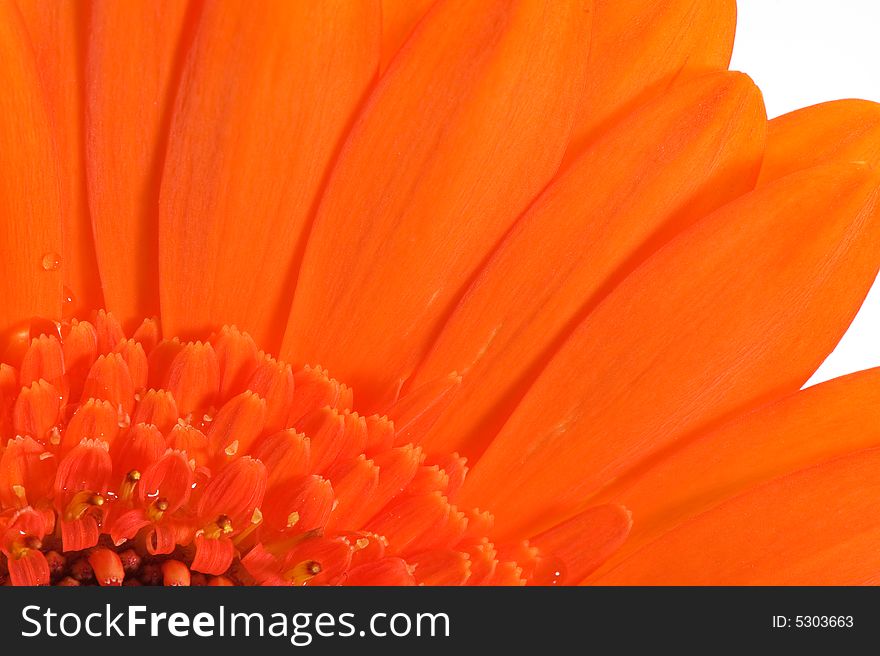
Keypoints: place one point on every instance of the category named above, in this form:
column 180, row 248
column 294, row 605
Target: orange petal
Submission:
column 354, row 483
column 380, row 434
column 156, row 407
column 110, row 380
column 213, row 556
column 273, row 381
column 175, row 573
column 313, row 388
column 656, row 172
column 188, row 438
column 585, row 541
column 220, row 581
column 285, row 454
column 355, row 434
column 140, row 447
column 87, row 468
column 250, row 143
column 441, row 567
column 815, row 527
column 483, row 562
column 428, row 478
column 44, row 359
column 385, row 572
column 147, row 334
column 27, row 471
column 235, row 491
column 844, row 130
column 738, row 310
column 303, row 504
column 417, row 411
column 30, row 569
column 107, row 566
column 194, row 377
column 132, row 353
column 238, row 357
column 325, row 428
column 810, row 426
column 80, row 346
column 169, row 479
column 93, row 419
column 36, row 411
column 458, row 136
column 455, row 468
column 9, row 389
column 238, row 423
column 640, row 47
column 411, row 520
column 399, row 17
column 57, row 33
column 108, row 331
column 133, row 60
column 397, row 468
column 30, row 232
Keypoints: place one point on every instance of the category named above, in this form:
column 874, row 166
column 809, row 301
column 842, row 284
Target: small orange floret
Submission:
column 194, row 377
column 107, row 566
column 175, row 573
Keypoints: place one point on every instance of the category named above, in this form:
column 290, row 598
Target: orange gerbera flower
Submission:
column 552, row 239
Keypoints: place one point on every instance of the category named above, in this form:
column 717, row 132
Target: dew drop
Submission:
column 51, row 262
column 123, row 419
column 549, row 571
column 68, row 299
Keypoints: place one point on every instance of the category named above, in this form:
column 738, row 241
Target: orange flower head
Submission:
column 443, row 292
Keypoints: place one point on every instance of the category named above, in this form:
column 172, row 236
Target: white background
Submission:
column 802, row 52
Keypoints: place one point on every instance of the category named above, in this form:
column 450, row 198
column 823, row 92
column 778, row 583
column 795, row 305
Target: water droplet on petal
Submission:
column 51, row 262
column 67, row 302
column 549, row 571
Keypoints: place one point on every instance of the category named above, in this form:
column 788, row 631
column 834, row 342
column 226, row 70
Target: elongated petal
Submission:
column 815, row 527
column 639, row 47
column 810, row 426
column 459, row 135
column 656, row 172
column 132, row 68
column 267, row 92
column 399, row 17
column 30, row 229
column 585, row 541
column 57, row 32
column 737, row 311
column 844, row 130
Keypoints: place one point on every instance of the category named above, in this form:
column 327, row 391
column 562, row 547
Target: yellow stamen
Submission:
column 303, row 571
column 81, row 503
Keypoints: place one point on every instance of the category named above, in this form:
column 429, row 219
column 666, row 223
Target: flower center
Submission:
column 140, row 461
